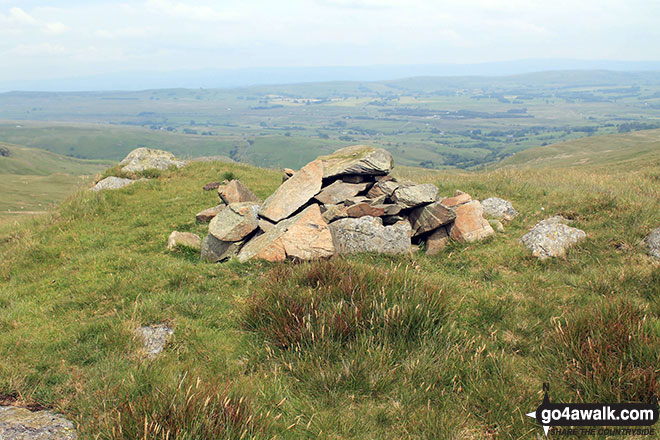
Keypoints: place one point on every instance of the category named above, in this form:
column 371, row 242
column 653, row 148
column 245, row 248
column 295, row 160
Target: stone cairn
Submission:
column 343, row 203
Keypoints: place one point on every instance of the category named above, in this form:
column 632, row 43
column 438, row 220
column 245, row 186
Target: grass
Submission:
column 451, row 346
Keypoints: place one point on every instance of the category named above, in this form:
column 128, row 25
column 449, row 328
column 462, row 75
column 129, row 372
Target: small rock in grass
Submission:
column 183, row 239
column 155, row 337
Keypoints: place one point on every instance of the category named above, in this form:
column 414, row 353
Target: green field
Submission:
column 454, row 346
column 434, row 122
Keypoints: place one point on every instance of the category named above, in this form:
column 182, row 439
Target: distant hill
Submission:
column 36, row 162
column 617, row 150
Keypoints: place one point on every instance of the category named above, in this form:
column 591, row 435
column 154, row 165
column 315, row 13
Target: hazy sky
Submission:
column 44, row 39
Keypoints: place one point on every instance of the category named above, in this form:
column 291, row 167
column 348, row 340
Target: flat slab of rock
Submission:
column 304, row 236
column 339, row 191
column 498, row 208
column 383, row 188
column 236, row 192
column 357, row 159
column 211, row 186
column 154, row 337
column 427, row 218
column 363, row 208
column 142, row 159
column 334, row 212
column 653, row 243
column 416, row 195
column 294, row 193
column 367, row 234
column 551, row 237
column 22, row 424
column 214, row 250
column 112, row 182
column 183, row 239
column 470, row 224
column 235, row 222
column 208, row 214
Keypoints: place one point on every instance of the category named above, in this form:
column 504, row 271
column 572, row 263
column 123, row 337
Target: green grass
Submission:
column 452, row 346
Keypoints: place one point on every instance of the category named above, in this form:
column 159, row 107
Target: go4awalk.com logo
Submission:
column 619, row 418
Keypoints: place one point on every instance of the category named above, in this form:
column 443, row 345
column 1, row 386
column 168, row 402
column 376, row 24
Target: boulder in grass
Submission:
column 208, row 214
column 235, row 222
column 499, row 208
column 357, row 159
column 653, row 243
column 214, row 250
column 235, row 192
column 304, row 236
column 367, row 234
column 112, row 182
column 142, row 159
column 551, row 237
column 154, row 338
column 22, row 424
column 411, row 196
column 294, row 193
column 187, row 239
column 339, row 191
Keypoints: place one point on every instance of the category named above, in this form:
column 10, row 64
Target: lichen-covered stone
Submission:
column 23, row 424
column 235, row 222
column 112, row 182
column 357, row 159
column 499, row 208
column 411, row 196
column 367, row 234
column 551, row 237
column 142, row 159
column 294, row 193
column 653, row 243
column 154, row 337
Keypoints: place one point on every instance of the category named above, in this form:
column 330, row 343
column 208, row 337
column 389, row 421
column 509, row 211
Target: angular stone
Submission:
column 112, row 182
column 287, row 173
column 437, row 241
column 294, row 193
column 23, row 424
column 470, row 224
column 334, row 212
column 211, row 186
column 183, row 239
column 499, row 208
column 416, row 195
column 339, row 191
column 367, row 234
column 235, row 221
column 154, row 338
column 265, row 225
column 304, row 236
column 142, row 159
column 551, row 237
column 429, row 217
column 383, row 188
column 653, row 243
column 457, row 200
column 208, row 214
column 357, row 159
column 364, row 208
column 236, row 192
column 214, row 250
column 355, row 200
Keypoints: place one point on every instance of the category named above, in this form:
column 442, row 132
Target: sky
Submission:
column 63, row 38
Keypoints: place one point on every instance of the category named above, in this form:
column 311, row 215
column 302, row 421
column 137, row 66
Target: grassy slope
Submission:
column 74, row 285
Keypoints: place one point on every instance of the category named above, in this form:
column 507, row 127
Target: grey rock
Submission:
column 339, row 191
column 235, row 192
column 551, row 237
column 142, row 159
column 429, row 217
column 653, row 243
column 214, row 250
column 22, row 424
column 416, row 195
column 367, row 234
column 235, row 222
column 112, row 182
column 154, row 337
column 294, row 193
column 499, row 208
column 383, row 188
column 357, row 159
column 208, row 214
column 183, row 239
column 334, row 212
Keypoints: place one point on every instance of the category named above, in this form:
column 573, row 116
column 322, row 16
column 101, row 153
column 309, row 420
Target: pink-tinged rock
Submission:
column 364, row 208
column 236, row 192
column 339, row 191
column 294, row 193
column 304, row 236
column 437, row 241
column 287, row 173
column 459, row 199
column 470, row 225
column 208, row 214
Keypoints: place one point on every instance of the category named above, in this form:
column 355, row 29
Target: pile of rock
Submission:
column 342, row 203
column 139, row 160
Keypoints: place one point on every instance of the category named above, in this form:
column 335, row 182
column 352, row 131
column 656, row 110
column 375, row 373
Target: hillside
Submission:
column 496, row 322
column 33, row 180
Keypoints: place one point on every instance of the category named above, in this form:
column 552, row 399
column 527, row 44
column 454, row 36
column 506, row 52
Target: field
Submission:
column 437, row 123
column 33, row 181
column 454, row 346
